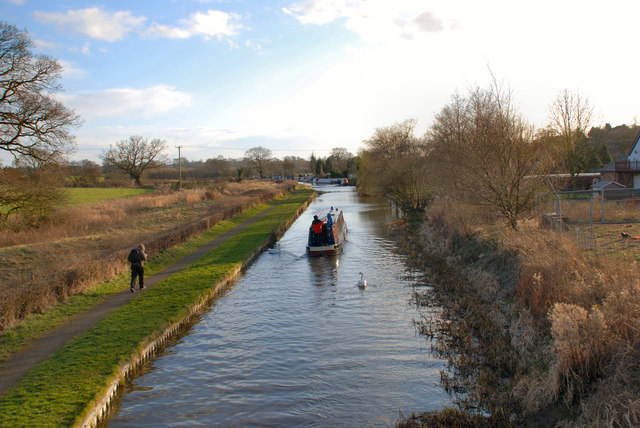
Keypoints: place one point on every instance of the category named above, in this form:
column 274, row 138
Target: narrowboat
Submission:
column 327, row 238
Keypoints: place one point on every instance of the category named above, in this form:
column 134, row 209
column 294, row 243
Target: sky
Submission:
column 218, row 77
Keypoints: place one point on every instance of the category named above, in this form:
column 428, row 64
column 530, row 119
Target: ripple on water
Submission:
column 296, row 343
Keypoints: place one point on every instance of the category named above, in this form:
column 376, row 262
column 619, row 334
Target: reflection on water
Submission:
column 324, row 270
column 296, row 343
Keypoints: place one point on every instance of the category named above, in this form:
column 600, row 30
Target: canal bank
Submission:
column 65, row 388
column 473, row 281
column 296, row 342
column 539, row 331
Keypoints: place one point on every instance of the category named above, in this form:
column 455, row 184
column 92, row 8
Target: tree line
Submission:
column 480, row 149
column 618, row 139
column 138, row 157
column 34, row 190
column 258, row 162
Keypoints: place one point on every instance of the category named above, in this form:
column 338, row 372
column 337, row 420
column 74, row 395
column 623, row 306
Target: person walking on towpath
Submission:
column 15, row 367
column 137, row 257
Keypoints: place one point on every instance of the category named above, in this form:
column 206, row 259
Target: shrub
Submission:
column 580, row 349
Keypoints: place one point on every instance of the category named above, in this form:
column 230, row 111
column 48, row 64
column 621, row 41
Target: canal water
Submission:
column 295, row 342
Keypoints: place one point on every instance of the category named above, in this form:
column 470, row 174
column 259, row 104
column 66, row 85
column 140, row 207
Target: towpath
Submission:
column 20, row 363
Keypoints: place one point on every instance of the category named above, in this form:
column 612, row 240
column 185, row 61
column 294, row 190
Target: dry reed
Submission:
column 574, row 323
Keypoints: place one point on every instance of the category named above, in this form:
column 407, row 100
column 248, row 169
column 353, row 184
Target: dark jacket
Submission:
column 137, row 257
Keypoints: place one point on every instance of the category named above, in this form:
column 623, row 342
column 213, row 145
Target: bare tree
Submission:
column 219, row 167
column 570, row 114
column 294, row 165
column 135, row 155
column 483, row 151
column 340, row 156
column 289, row 166
column 32, row 123
column 84, row 172
column 393, row 163
column 258, row 157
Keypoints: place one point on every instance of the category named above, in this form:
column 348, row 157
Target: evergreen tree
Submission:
column 313, row 163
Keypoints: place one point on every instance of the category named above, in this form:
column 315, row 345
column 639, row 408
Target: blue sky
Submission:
column 221, row 76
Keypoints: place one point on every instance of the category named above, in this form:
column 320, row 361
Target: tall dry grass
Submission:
column 593, row 325
column 101, row 215
column 572, row 316
column 581, row 210
column 87, row 245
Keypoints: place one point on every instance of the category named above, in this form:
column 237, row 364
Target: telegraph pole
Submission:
column 179, row 167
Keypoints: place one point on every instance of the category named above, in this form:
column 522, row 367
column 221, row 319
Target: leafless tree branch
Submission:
column 32, row 122
column 135, row 155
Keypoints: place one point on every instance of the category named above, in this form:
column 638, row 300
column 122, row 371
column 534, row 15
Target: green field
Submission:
column 87, row 195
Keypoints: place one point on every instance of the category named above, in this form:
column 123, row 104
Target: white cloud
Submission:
column 257, row 45
column 94, row 22
column 97, row 23
column 127, row 101
column 212, row 24
column 373, row 20
column 158, row 30
column 42, row 45
column 416, row 53
column 85, row 49
column 428, row 22
column 70, row 70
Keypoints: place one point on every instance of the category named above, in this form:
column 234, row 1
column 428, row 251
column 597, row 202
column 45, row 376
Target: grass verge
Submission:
column 61, row 389
column 180, row 291
column 86, row 195
column 87, row 245
column 16, row 338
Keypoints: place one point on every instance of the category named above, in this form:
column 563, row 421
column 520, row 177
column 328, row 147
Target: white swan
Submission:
column 275, row 249
column 363, row 282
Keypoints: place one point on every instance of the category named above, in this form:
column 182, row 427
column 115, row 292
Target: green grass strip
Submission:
column 59, row 391
column 16, row 338
column 87, row 195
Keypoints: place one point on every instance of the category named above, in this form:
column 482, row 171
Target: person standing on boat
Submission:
column 316, row 224
column 326, row 228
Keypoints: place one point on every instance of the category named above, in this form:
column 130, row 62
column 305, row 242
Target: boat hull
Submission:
column 326, row 250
